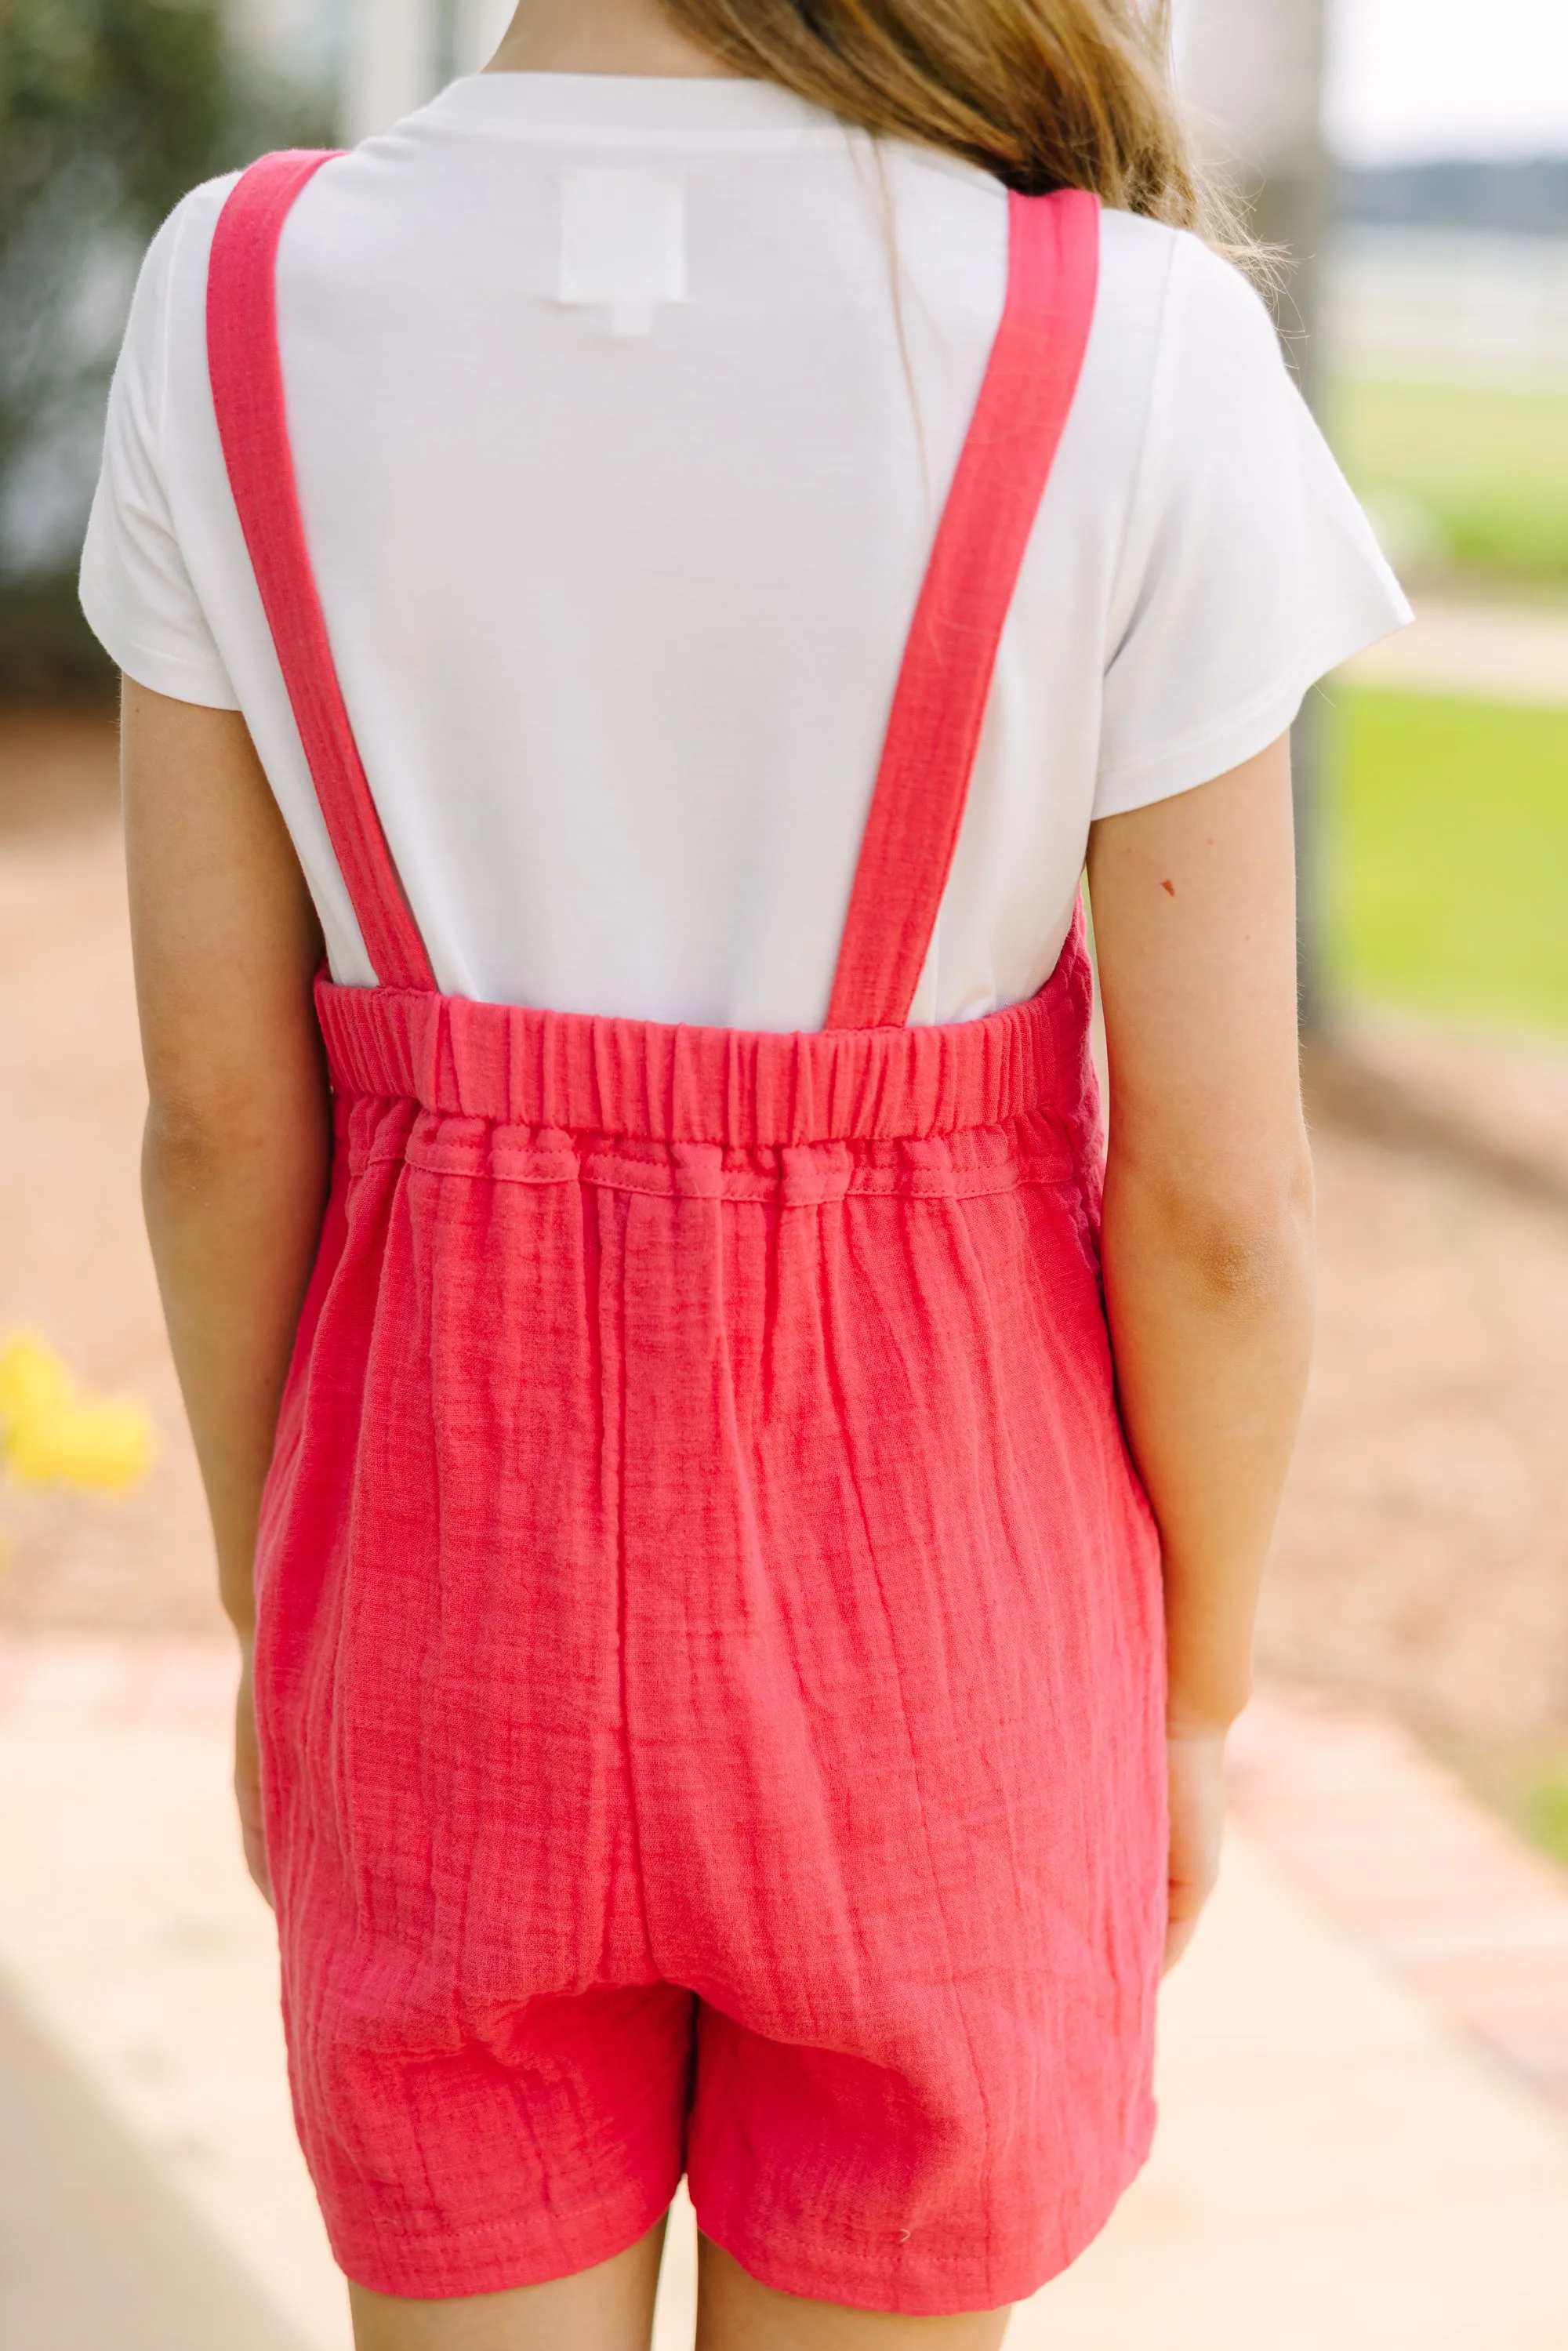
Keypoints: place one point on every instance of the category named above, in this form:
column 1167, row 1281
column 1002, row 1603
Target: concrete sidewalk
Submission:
column 1340, row 2161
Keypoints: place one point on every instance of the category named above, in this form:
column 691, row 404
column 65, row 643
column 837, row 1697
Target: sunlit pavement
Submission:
column 1343, row 2158
column 1494, row 652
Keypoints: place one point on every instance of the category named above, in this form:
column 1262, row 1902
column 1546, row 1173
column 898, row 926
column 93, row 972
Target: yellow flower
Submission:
column 50, row 1434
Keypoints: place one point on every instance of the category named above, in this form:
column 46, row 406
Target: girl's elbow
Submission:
column 1241, row 1236
column 1251, row 1264
column 190, row 1151
column 196, row 1133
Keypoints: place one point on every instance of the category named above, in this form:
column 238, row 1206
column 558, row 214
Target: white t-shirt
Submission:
column 622, row 413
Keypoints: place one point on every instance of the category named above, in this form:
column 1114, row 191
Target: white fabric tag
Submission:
column 623, row 243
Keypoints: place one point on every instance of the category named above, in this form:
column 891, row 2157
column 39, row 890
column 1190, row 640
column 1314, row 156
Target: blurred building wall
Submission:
column 398, row 53
column 1251, row 73
column 374, row 60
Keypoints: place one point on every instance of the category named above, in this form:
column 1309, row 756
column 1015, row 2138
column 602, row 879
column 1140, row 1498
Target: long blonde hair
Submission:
column 1042, row 93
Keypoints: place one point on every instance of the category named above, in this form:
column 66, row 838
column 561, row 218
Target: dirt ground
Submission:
column 1423, row 1558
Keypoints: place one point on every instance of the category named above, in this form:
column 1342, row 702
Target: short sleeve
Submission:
column 135, row 590
column 1249, row 568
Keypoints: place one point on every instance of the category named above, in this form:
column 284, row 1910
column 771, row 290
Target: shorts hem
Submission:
column 859, row 2275
column 457, row 2264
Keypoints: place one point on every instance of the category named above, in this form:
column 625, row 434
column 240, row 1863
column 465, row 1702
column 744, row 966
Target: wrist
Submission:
column 1204, row 1703
column 1193, row 1725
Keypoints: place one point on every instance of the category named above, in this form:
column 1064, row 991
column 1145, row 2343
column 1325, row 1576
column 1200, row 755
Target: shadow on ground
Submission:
column 94, row 2249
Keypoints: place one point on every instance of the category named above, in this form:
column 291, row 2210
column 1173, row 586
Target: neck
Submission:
column 600, row 37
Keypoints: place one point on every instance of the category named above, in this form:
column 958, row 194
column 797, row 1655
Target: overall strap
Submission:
column 246, row 371
column 939, row 704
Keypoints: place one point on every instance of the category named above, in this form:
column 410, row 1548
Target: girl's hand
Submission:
column 247, row 1778
column 1194, row 1762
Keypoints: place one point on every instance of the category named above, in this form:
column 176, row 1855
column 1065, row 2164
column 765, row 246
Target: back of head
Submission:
column 1042, row 93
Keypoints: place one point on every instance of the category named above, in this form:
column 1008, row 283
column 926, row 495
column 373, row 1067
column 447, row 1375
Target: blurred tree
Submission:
column 109, row 111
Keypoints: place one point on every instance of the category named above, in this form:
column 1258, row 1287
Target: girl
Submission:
column 742, row 1522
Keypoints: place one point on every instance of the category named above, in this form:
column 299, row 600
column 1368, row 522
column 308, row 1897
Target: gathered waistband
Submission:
column 587, row 1073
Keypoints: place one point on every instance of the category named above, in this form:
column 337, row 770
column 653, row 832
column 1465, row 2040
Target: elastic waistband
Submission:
column 517, row 1066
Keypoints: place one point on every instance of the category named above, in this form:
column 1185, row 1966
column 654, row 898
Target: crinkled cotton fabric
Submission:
column 709, row 1661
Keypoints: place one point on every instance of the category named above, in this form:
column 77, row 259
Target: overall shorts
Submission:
column 709, row 1663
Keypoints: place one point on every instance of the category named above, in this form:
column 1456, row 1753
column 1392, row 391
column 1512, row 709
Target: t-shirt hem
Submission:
column 160, row 671
column 1243, row 734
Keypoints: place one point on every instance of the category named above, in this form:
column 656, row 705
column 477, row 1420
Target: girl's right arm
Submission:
column 1207, row 1232
column 237, row 1148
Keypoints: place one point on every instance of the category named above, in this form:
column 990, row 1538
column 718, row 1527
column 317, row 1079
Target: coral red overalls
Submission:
column 710, row 1659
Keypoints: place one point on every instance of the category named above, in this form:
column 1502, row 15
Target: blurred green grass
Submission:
column 1446, row 856
column 1486, row 464
column 1539, row 1805
column 1530, row 1787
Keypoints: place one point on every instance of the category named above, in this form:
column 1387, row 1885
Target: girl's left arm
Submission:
column 238, row 1138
